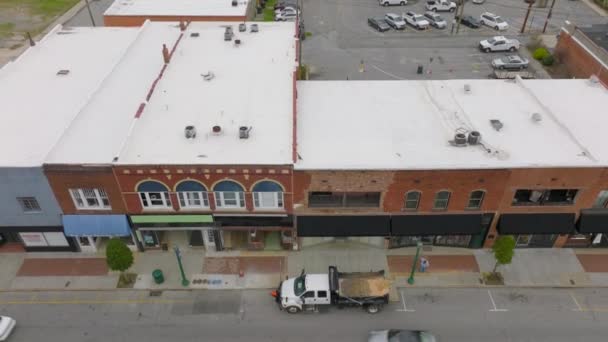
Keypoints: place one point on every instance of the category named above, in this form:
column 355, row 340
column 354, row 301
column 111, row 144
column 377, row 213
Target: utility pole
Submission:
column 523, row 26
column 461, row 10
column 549, row 16
column 90, row 13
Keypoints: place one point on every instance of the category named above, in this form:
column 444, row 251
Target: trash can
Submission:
column 158, row 276
column 420, row 70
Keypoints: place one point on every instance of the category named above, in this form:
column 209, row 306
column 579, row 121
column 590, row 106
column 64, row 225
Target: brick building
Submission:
column 437, row 162
column 136, row 12
column 584, row 50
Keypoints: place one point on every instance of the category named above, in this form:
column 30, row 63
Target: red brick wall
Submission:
column 129, row 177
column 61, row 178
column 124, row 20
column 578, row 60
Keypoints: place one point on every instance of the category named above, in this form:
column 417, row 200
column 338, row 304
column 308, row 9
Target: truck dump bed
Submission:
column 359, row 284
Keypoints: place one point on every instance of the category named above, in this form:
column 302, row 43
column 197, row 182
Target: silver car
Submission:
column 435, row 19
column 513, row 62
column 395, row 21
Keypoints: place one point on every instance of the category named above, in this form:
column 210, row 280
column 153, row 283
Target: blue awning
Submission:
column 96, row 225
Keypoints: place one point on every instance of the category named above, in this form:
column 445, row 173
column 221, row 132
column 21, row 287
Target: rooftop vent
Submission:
column 467, row 88
column 228, row 33
column 460, row 139
column 194, row 34
column 496, row 124
column 242, row 27
column 190, row 132
column 235, row 3
column 208, row 76
column 474, row 138
column 237, row 42
column 63, row 72
column 216, row 129
column 254, row 28
column 244, row 132
column 536, row 117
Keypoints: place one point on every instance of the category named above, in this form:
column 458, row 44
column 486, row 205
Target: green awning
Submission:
column 143, row 219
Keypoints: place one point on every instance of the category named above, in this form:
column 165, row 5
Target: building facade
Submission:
column 584, row 51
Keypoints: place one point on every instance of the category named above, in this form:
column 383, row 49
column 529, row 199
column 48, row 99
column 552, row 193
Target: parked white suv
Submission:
column 416, row 20
column 494, row 21
column 393, row 2
column 7, row 325
column 499, row 43
column 440, row 6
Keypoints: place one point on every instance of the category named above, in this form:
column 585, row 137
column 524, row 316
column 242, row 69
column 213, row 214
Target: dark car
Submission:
column 470, row 21
column 379, row 24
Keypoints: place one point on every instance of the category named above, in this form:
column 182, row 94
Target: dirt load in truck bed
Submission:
column 364, row 285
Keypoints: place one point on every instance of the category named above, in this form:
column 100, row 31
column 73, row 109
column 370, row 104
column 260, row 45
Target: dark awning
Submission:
column 254, row 221
column 560, row 223
column 447, row 224
column 593, row 221
column 343, row 225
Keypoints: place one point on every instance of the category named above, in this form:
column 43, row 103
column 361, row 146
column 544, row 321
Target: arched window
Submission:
column 442, row 198
column 267, row 195
column 229, row 194
column 154, row 195
column 475, row 199
column 192, row 194
column 412, row 200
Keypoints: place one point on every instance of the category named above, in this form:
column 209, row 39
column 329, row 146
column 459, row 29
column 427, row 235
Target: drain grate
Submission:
column 572, row 282
column 156, row 293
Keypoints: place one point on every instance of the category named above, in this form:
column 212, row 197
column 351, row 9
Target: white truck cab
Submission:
column 307, row 289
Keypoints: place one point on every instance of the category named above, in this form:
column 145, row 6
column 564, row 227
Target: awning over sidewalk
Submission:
column 559, row 223
column 343, row 225
column 593, row 221
column 96, row 225
column 446, row 224
column 171, row 220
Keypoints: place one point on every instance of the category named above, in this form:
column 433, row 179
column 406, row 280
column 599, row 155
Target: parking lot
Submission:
column 343, row 46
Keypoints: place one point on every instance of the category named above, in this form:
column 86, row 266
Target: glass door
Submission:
column 523, row 240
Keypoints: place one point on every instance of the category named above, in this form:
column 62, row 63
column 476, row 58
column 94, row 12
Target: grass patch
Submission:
column 126, row 280
column 6, row 29
column 45, row 8
column 602, row 3
column 269, row 10
column 308, row 34
column 493, row 278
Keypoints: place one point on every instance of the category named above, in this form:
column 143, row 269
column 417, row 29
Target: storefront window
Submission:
column 229, row 194
column 192, row 195
column 267, row 195
column 154, row 195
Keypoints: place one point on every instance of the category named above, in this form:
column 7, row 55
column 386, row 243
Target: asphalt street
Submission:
column 452, row 314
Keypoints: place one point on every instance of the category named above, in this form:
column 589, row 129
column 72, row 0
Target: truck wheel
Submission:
column 372, row 308
column 385, row 4
column 512, row 48
column 402, row 3
column 293, row 309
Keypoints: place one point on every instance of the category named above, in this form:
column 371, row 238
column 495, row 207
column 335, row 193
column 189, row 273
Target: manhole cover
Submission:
column 156, row 293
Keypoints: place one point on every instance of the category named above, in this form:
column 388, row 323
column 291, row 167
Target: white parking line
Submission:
column 387, row 73
column 494, row 304
column 578, row 306
column 405, row 309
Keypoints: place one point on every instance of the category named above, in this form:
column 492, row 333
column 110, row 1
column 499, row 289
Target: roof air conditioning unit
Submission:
column 228, row 33
column 496, row 124
column 474, row 138
column 242, row 27
column 235, row 3
column 190, row 132
column 467, row 88
column 237, row 42
column 536, row 117
column 254, row 28
column 244, row 132
column 216, row 129
column 460, row 140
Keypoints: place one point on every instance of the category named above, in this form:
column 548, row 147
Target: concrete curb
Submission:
column 597, row 9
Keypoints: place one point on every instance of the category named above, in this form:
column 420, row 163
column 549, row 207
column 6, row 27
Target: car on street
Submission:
column 436, row 20
column 379, row 24
column 440, row 6
column 512, row 62
column 7, row 325
column 469, row 21
column 499, row 43
column 392, row 2
column 397, row 335
column 416, row 20
column 395, row 21
column 478, row 2
column 494, row 21
column 280, row 5
column 288, row 14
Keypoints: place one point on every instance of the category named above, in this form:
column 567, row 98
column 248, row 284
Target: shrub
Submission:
column 540, row 53
column 548, row 60
column 118, row 255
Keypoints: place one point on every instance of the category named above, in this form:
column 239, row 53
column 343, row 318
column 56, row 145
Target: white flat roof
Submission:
column 252, row 87
column 177, row 8
column 37, row 104
column 99, row 131
column 408, row 124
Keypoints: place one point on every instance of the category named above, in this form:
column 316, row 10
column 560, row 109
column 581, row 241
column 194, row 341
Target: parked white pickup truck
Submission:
column 440, row 6
column 499, row 43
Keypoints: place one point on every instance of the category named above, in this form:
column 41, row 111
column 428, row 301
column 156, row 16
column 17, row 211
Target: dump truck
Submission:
column 310, row 292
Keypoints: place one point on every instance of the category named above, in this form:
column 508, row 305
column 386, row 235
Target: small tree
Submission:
column 503, row 250
column 118, row 256
column 540, row 53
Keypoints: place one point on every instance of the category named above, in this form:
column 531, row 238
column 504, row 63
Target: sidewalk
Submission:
column 449, row 267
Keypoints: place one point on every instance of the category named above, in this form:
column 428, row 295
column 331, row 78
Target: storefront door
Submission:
column 209, row 239
column 523, row 240
column 87, row 244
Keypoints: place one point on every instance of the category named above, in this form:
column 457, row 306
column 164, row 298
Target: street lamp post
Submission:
column 178, row 255
column 410, row 280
